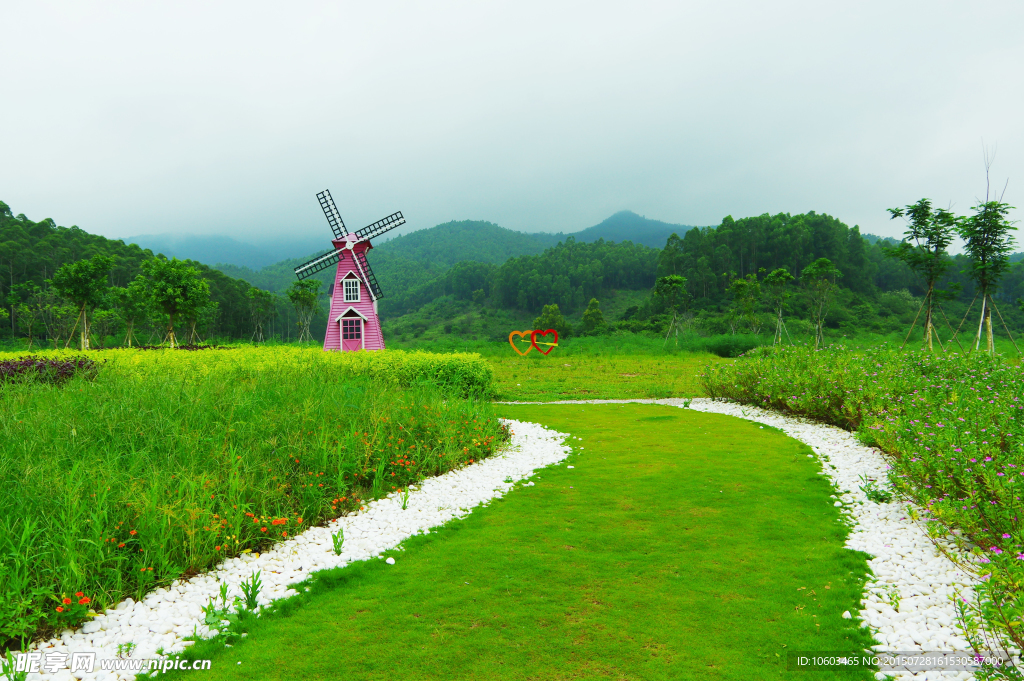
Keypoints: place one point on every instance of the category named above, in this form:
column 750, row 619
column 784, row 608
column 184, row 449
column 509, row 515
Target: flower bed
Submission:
column 166, row 463
column 55, row 370
column 953, row 428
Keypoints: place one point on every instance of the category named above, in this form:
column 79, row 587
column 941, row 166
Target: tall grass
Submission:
column 166, row 462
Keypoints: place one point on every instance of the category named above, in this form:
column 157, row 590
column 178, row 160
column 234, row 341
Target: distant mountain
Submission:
column 628, row 226
column 476, row 240
column 420, row 255
column 215, row 249
column 886, row 240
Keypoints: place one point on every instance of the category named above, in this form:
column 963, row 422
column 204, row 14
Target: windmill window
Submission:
column 351, row 329
column 351, row 290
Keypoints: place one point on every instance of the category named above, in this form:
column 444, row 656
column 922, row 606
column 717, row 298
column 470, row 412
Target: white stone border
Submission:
column 165, row 617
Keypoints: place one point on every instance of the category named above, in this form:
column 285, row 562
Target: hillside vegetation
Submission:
column 32, row 252
column 475, row 280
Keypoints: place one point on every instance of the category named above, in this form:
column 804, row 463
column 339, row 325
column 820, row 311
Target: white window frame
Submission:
column 346, row 288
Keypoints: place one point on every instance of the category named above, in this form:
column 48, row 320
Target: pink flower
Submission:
column 995, row 549
column 1006, row 536
column 1020, row 556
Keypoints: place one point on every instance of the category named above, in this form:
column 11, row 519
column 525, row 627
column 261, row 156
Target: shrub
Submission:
column 45, row 369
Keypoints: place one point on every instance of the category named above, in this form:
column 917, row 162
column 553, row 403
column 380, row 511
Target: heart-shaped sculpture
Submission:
column 523, row 335
column 538, row 332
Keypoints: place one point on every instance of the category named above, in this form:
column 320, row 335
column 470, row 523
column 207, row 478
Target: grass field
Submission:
column 586, row 377
column 682, row 546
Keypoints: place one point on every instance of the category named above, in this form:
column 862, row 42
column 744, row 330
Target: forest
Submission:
column 478, row 280
column 31, row 253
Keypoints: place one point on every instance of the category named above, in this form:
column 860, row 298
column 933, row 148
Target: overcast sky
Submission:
column 227, row 118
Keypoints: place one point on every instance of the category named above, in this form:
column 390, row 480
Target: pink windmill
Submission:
column 352, row 323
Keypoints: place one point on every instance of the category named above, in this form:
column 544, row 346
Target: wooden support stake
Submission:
column 1005, row 328
column 914, row 324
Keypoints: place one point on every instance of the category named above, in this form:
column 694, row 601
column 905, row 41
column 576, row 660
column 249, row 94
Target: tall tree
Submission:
column 84, row 283
column 593, row 318
column 670, row 260
column 776, row 291
column 176, row 289
column 671, row 290
column 552, row 318
column 58, row 316
column 819, row 279
column 746, row 293
column 988, row 242
column 305, row 297
column 923, row 249
column 261, row 309
column 133, row 304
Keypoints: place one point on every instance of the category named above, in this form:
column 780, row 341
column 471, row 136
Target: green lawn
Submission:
column 683, row 545
column 536, row 378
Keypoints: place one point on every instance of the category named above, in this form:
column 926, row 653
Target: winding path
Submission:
column 905, row 562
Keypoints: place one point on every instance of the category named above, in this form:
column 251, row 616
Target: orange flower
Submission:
column 79, row 594
column 84, row 601
column 133, row 533
column 66, row 601
column 216, row 548
column 279, row 521
column 263, row 529
column 60, row 609
column 121, row 545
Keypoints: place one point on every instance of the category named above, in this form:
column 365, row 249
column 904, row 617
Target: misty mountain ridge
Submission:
column 215, row 249
column 444, row 244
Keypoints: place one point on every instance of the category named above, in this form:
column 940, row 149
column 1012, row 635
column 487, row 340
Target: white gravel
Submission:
column 904, row 558
column 165, row 617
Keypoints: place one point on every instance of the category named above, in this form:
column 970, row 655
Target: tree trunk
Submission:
column 988, row 330
column 170, row 330
column 928, row 317
column 981, row 320
column 71, row 333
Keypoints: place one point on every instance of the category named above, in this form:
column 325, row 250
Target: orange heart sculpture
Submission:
column 523, row 335
column 551, row 346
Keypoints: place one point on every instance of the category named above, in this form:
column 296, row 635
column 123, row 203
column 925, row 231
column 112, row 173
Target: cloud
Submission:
column 228, row 118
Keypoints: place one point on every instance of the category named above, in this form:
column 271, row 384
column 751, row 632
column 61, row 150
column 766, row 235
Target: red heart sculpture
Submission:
column 538, row 332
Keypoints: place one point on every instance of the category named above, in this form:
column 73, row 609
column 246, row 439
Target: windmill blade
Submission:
column 381, row 226
column 317, row 264
column 331, row 211
column 368, row 278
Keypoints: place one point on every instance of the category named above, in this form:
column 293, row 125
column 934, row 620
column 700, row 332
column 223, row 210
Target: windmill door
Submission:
column 351, row 332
